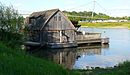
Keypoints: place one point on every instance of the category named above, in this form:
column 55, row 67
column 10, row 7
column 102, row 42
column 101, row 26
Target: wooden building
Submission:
column 51, row 28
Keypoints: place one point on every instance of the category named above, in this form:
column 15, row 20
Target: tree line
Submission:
column 87, row 15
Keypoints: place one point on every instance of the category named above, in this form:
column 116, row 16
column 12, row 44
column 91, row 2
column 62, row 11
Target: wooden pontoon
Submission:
column 88, row 38
column 53, row 29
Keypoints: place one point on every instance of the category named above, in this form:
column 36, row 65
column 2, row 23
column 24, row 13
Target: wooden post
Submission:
column 60, row 36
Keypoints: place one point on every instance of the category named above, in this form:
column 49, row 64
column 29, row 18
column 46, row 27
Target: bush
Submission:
column 10, row 26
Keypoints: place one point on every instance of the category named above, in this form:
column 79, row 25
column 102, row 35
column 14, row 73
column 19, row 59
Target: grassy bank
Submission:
column 107, row 25
column 15, row 62
column 122, row 69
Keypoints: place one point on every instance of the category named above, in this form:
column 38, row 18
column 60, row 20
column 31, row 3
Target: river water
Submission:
column 86, row 57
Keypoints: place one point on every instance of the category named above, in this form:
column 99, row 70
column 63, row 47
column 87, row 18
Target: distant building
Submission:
column 94, row 21
column 51, row 28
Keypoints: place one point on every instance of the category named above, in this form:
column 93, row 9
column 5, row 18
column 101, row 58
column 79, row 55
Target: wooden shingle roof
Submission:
column 45, row 14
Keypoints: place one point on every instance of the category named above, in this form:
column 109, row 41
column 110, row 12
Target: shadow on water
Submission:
column 68, row 56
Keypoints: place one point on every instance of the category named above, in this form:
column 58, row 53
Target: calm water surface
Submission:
column 93, row 56
column 118, row 51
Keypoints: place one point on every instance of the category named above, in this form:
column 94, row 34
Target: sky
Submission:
column 115, row 8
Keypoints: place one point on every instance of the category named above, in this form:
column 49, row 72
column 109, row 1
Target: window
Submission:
column 59, row 18
column 63, row 32
column 31, row 21
column 55, row 18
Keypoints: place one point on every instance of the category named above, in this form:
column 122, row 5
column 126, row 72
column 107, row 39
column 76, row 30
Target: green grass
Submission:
column 107, row 24
column 122, row 69
column 15, row 62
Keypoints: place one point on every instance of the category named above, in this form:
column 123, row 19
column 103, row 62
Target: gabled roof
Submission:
column 47, row 15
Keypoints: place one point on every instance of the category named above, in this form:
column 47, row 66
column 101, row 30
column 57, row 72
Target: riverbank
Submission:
column 122, row 69
column 106, row 24
column 16, row 62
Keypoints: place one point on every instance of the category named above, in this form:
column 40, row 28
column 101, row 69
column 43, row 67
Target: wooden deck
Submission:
column 29, row 43
column 105, row 40
column 89, row 38
column 81, row 39
column 89, row 41
column 61, row 45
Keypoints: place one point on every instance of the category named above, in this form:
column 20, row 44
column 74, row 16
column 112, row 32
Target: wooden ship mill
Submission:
column 52, row 29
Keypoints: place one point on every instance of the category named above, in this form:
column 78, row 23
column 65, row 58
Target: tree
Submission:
column 10, row 26
column 84, row 15
column 10, row 20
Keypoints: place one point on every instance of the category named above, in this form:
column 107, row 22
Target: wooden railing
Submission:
column 88, row 36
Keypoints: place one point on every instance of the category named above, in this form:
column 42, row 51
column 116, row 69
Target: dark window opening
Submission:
column 31, row 21
column 55, row 18
column 63, row 32
column 59, row 18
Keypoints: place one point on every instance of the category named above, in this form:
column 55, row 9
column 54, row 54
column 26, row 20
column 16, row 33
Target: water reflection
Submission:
column 118, row 50
column 93, row 56
column 67, row 57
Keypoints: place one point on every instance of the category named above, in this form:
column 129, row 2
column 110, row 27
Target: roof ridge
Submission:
column 47, row 15
column 45, row 10
column 49, row 19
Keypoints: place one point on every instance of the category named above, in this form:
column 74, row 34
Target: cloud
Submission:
column 17, row 5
